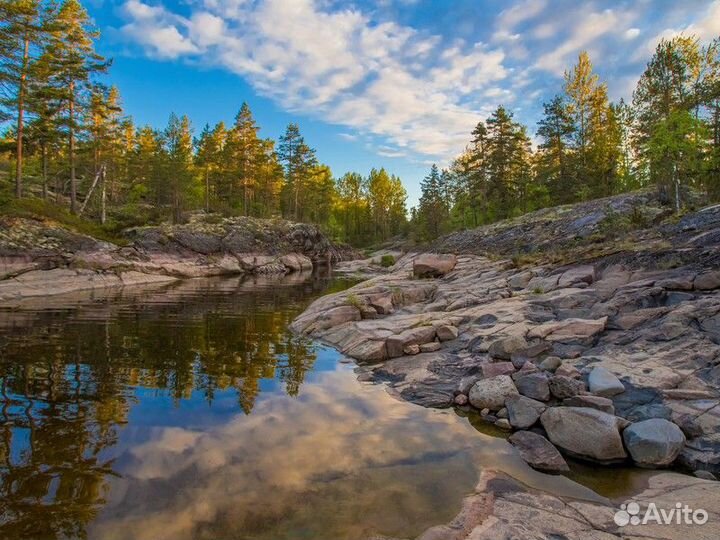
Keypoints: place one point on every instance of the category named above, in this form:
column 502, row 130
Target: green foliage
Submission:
column 387, row 261
column 43, row 210
column 615, row 224
column 65, row 128
column 354, row 301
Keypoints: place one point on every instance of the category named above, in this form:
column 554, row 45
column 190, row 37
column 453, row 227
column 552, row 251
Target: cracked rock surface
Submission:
column 632, row 333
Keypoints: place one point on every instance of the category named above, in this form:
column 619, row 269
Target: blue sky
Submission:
column 392, row 83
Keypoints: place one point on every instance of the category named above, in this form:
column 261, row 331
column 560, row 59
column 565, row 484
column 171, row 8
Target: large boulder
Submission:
column 368, row 351
column 447, row 332
column 593, row 402
column 493, row 369
column 413, row 336
column 707, row 281
column 430, row 265
column 564, row 387
column 520, row 280
column 523, row 412
column 382, row 303
column 296, row 262
column 533, row 385
column 603, row 383
column 578, row 274
column 504, row 348
column 337, row 316
column 538, row 452
column 492, row 393
column 551, row 363
column 654, row 443
column 584, row 432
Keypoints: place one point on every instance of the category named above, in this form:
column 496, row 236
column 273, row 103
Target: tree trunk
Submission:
column 207, row 189
column 20, row 122
column 44, row 170
column 103, row 195
column 297, row 197
column 73, row 181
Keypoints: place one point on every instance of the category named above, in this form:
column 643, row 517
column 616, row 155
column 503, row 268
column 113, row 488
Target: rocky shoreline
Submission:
column 611, row 357
column 40, row 258
column 501, row 508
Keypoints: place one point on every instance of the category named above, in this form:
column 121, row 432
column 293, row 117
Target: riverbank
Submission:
column 39, row 257
column 589, row 331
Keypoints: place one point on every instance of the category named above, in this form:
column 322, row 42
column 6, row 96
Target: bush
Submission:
column 387, row 260
column 46, row 210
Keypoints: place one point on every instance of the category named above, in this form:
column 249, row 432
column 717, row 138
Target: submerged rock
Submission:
column 523, row 412
column 654, row 443
column 584, row 432
column 538, row 452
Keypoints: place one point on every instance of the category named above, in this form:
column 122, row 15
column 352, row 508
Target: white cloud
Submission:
column 705, row 29
column 590, row 28
column 632, row 33
column 377, row 77
column 420, row 91
column 158, row 30
column 521, row 12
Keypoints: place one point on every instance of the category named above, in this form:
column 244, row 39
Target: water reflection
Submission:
column 190, row 412
column 72, row 374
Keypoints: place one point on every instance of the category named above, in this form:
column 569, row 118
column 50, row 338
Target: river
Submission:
column 190, row 412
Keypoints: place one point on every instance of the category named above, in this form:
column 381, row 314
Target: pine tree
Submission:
column 23, row 28
column 244, row 149
column 432, row 213
column 352, row 206
column 667, row 101
column 508, row 168
column 588, row 106
column 298, row 159
column 43, row 104
column 179, row 161
column 556, row 129
column 269, row 180
column 146, row 166
column 209, row 157
column 104, row 126
column 74, row 63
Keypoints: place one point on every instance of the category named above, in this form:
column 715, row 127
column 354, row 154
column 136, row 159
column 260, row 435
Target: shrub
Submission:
column 387, row 260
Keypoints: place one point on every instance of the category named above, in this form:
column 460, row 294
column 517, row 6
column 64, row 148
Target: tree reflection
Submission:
column 69, row 378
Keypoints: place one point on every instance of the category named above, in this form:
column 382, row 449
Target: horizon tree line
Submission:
column 68, row 129
column 589, row 147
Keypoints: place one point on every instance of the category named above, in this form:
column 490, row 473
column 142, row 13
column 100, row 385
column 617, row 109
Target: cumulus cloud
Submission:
column 377, row 77
column 588, row 30
column 419, row 89
column 706, row 28
column 388, row 461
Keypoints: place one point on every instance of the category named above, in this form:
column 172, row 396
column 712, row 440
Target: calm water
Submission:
column 190, row 412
